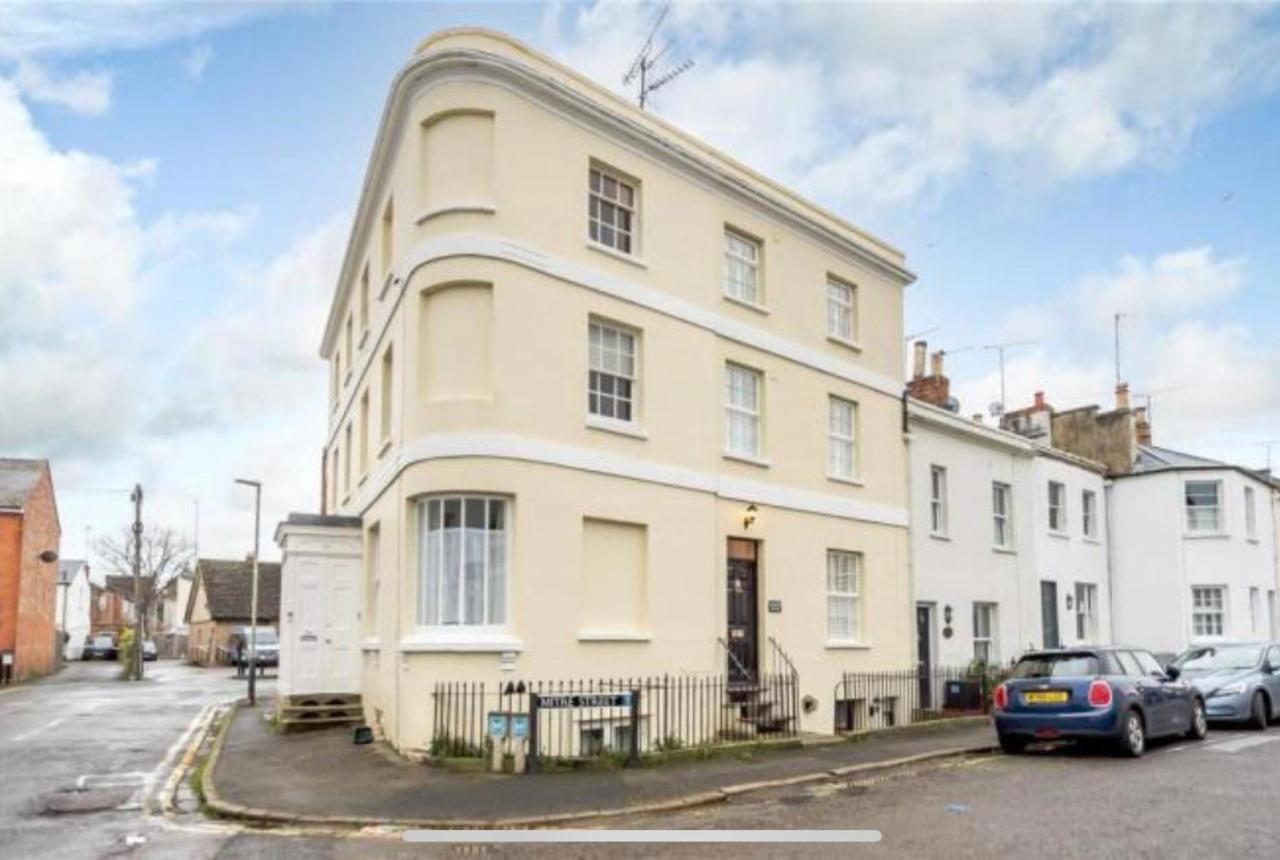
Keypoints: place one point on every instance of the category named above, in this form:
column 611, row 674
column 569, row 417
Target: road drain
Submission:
column 74, row 802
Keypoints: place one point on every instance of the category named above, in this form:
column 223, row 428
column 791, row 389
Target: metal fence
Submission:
column 867, row 701
column 619, row 717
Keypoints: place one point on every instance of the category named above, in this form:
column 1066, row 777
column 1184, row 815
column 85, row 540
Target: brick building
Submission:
column 29, row 538
column 218, row 605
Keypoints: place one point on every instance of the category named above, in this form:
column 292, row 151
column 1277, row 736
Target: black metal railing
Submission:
column 868, row 701
column 625, row 718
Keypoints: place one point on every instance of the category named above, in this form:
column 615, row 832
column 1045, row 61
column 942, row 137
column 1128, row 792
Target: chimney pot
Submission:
column 1122, row 396
column 917, row 364
column 936, row 361
column 1039, row 400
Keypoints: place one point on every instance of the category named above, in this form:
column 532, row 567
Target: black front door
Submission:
column 743, row 612
column 924, row 652
column 1049, row 613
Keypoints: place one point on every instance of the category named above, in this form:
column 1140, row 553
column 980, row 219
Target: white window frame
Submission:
column 433, row 579
column 1002, row 520
column 1058, row 511
column 1086, row 612
column 738, row 412
column 986, row 632
column 1209, row 602
column 842, row 311
column 1250, row 514
column 600, row 201
column 1255, row 611
column 1089, row 514
column 844, row 599
column 1194, row 525
column 599, row 371
column 938, row 513
column 742, row 253
column 842, row 440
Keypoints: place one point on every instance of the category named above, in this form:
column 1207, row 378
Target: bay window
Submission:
column 462, row 563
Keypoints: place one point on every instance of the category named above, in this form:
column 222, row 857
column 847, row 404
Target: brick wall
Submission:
column 29, row 586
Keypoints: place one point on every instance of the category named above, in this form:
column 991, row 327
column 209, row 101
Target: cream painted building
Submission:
column 603, row 397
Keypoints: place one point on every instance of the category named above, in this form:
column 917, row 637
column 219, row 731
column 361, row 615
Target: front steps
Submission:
column 319, row 709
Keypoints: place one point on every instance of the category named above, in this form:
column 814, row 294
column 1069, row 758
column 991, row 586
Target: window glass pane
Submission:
column 452, row 513
column 451, row 570
column 497, row 574
column 474, row 570
column 475, row 513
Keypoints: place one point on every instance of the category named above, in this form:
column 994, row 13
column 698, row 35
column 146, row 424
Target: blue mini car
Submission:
column 1119, row 695
column 1240, row 681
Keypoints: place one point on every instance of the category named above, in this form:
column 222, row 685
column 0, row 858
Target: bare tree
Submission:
column 165, row 554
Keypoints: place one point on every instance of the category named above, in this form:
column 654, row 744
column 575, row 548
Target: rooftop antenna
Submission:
column 645, row 66
column 999, row 349
column 1118, row 317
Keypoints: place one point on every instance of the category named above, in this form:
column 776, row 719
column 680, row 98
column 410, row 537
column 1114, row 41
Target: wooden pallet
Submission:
column 319, row 709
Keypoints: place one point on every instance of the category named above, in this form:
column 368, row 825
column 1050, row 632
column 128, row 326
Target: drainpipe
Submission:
column 911, row 570
column 1108, row 491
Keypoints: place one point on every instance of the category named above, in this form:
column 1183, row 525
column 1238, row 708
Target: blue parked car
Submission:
column 1119, row 695
column 1240, row 681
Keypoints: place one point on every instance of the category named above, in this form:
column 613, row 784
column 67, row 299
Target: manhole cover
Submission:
column 74, row 802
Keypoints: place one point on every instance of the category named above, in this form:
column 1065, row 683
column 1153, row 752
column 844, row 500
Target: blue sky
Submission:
column 180, row 179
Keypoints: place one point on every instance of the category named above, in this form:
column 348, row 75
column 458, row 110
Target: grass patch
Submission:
column 197, row 781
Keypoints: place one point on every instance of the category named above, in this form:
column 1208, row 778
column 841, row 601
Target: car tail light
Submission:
column 1100, row 694
column 1001, row 697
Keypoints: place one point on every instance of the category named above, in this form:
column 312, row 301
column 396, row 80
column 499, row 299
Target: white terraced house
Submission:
column 1008, row 545
column 606, row 402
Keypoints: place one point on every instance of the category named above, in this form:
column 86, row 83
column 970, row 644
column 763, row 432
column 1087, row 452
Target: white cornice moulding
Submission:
column 527, row 81
column 504, row 447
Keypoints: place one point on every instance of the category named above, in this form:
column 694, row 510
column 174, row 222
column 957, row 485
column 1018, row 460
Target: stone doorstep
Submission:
column 221, row 806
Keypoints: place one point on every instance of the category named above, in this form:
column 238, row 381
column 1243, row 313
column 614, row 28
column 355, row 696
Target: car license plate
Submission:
column 1045, row 697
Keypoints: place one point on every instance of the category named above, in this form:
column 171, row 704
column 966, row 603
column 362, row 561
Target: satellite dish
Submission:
column 996, row 409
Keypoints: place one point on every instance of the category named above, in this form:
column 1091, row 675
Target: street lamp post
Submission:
column 253, row 592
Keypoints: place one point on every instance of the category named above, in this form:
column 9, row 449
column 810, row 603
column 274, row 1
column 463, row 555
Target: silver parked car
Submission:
column 1240, row 680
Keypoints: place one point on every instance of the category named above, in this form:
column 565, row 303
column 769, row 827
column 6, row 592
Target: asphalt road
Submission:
column 115, row 742
column 82, row 752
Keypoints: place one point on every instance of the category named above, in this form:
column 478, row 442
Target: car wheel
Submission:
column 1199, row 723
column 1133, row 735
column 1258, row 712
column 1013, row 745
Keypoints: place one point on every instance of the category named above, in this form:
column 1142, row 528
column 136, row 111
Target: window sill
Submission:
column 845, row 645
column 372, row 643
column 1092, row 540
column 607, row 636
column 1205, row 535
column 384, row 447
column 853, row 482
column 616, row 254
column 622, row 428
column 847, row 344
column 479, row 207
column 478, row 642
column 1004, row 550
column 1253, row 540
column 1060, row 535
column 743, row 303
column 387, row 281
column 939, row 536
column 749, row 459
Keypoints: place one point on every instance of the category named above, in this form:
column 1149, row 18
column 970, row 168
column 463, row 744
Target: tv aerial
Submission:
column 644, row 69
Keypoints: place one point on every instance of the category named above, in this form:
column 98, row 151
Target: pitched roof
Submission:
column 1153, row 459
column 228, row 585
column 68, row 568
column 17, row 477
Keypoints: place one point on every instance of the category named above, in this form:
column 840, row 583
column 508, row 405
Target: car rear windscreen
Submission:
column 1056, row 666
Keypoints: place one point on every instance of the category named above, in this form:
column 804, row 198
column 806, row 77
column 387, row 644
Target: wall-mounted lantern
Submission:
column 749, row 517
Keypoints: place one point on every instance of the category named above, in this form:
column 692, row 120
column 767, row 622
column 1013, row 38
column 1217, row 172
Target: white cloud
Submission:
column 1170, row 286
column 83, row 92
column 860, row 106
column 196, row 60
column 32, row 28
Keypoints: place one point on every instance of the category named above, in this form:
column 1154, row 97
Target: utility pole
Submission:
column 253, row 591
column 138, row 630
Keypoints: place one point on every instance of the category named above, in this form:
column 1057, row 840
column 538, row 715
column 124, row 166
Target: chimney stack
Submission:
column 1122, row 395
column 1142, row 426
column 934, row 388
column 917, row 362
column 1039, row 401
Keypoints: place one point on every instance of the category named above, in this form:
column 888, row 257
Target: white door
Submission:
column 308, row 627
column 342, row 616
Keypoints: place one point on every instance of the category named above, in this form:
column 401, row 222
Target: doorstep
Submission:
column 322, row 778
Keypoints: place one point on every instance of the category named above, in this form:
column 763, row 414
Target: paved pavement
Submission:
column 322, row 773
